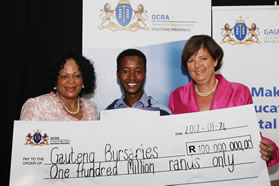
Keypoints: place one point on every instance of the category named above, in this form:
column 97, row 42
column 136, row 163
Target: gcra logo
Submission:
column 123, row 17
column 36, row 139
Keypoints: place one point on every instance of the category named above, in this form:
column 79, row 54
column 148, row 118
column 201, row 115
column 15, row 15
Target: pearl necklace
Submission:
column 66, row 108
column 206, row 93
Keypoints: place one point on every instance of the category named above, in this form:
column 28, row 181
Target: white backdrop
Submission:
column 160, row 31
column 250, row 39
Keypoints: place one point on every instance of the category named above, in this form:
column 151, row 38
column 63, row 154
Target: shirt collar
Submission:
column 143, row 102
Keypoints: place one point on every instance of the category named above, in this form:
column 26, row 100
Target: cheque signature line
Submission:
column 214, row 181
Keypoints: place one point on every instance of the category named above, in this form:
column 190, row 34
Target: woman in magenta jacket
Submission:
column 202, row 57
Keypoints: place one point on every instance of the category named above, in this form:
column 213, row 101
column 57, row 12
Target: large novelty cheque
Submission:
column 218, row 147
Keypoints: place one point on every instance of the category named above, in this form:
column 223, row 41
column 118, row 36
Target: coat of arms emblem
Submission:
column 36, row 139
column 240, row 33
column 123, row 17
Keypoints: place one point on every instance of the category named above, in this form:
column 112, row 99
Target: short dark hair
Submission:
column 85, row 66
column 202, row 41
column 131, row 52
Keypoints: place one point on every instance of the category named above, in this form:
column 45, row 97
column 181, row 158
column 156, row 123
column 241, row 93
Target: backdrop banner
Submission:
column 158, row 28
column 250, row 39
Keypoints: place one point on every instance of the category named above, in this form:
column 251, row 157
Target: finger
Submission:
column 264, row 153
column 265, row 158
column 266, row 143
column 263, row 147
column 268, row 151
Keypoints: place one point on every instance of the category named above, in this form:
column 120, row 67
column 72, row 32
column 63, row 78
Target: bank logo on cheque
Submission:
column 123, row 17
column 36, row 139
column 240, row 33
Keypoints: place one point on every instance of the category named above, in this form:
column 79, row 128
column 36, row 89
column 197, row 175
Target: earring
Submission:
column 54, row 88
column 82, row 86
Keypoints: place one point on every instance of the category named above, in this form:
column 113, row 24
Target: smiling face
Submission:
column 201, row 67
column 69, row 81
column 131, row 75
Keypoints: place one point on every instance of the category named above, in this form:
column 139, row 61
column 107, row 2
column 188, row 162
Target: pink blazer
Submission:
column 227, row 94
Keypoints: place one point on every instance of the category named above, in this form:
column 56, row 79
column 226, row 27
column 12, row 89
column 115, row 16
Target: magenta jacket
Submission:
column 227, row 94
column 183, row 100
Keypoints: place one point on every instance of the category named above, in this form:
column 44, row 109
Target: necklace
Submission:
column 206, row 93
column 66, row 108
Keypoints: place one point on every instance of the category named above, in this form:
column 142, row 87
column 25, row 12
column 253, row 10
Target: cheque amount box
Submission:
column 228, row 144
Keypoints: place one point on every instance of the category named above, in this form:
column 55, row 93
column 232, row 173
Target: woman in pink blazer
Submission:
column 202, row 57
